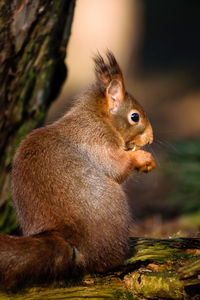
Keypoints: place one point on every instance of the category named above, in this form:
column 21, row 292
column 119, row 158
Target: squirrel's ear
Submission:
column 115, row 94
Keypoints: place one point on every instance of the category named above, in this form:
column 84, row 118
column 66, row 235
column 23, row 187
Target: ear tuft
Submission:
column 101, row 69
column 110, row 77
column 106, row 71
column 115, row 70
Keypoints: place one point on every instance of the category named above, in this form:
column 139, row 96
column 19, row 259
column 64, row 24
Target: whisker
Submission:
column 169, row 145
column 165, row 144
column 155, row 155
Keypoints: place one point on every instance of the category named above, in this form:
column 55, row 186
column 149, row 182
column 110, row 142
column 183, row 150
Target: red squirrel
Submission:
column 66, row 185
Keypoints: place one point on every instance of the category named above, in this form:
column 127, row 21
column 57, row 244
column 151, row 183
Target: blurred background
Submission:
column 158, row 48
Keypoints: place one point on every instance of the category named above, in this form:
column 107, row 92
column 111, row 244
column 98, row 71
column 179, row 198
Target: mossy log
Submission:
column 155, row 269
column 165, row 269
column 33, row 41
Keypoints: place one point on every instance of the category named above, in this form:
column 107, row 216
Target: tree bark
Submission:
column 155, row 269
column 33, row 41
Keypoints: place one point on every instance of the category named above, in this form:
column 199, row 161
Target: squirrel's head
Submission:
column 125, row 113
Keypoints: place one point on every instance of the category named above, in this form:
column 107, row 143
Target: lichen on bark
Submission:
column 33, row 41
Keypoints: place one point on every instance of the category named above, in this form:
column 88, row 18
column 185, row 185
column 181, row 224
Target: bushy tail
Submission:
column 35, row 259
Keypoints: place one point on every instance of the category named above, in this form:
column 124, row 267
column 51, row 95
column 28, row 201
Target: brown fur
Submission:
column 65, row 181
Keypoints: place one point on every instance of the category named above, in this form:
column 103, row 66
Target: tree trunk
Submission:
column 33, row 40
column 155, row 269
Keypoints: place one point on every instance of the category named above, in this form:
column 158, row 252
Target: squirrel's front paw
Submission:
column 143, row 161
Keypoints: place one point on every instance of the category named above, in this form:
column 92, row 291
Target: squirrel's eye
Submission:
column 135, row 117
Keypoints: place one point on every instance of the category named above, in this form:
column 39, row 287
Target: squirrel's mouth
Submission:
column 133, row 147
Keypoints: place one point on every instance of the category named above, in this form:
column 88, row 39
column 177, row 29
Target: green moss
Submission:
column 107, row 289
column 27, row 127
column 8, row 222
column 22, row 132
column 156, row 252
column 156, row 285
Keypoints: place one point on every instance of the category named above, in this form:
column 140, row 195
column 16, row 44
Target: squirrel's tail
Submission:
column 34, row 259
